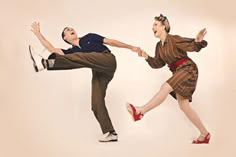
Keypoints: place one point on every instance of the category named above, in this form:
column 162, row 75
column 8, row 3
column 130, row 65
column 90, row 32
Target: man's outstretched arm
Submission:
column 117, row 43
column 36, row 30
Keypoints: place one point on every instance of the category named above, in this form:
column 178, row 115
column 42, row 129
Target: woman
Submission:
column 171, row 50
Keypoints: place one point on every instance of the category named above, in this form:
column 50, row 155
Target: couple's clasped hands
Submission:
column 143, row 54
column 140, row 52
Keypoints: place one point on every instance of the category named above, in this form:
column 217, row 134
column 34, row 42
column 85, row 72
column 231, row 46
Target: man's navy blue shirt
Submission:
column 88, row 43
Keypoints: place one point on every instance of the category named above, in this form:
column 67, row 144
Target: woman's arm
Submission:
column 191, row 44
column 154, row 62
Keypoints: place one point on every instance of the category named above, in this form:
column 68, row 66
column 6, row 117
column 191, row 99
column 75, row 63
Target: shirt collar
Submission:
column 76, row 45
column 166, row 40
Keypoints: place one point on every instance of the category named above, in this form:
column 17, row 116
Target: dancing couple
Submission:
column 90, row 51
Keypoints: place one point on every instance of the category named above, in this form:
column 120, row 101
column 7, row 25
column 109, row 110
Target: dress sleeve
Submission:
column 155, row 62
column 188, row 44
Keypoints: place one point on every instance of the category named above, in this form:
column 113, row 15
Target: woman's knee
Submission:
column 183, row 102
column 184, row 105
column 166, row 87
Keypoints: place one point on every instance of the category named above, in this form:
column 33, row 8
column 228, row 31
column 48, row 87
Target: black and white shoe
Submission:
column 109, row 137
column 37, row 60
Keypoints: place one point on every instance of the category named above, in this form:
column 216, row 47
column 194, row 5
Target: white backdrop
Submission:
column 48, row 114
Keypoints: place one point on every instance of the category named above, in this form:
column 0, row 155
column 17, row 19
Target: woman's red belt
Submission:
column 177, row 63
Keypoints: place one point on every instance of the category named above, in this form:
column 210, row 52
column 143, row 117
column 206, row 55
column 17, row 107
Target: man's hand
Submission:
column 35, row 28
column 200, row 35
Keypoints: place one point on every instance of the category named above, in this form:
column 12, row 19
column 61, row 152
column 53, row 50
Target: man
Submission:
column 88, row 51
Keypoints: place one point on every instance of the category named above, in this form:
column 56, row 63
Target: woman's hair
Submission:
column 63, row 35
column 164, row 21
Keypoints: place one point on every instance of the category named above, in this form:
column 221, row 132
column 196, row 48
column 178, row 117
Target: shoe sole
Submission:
column 109, row 141
column 31, row 56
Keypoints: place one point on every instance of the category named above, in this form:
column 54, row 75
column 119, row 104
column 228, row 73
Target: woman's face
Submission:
column 158, row 28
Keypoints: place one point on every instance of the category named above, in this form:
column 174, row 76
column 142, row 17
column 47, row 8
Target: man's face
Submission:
column 70, row 34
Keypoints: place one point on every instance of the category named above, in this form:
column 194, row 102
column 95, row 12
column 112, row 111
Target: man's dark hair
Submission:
column 63, row 35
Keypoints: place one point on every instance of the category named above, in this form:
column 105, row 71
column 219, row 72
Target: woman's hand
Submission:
column 136, row 49
column 200, row 35
column 143, row 54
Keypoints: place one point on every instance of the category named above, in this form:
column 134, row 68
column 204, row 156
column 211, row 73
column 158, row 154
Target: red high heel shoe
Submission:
column 205, row 141
column 132, row 110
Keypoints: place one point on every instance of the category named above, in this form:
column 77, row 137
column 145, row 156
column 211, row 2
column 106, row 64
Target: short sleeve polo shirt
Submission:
column 89, row 43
